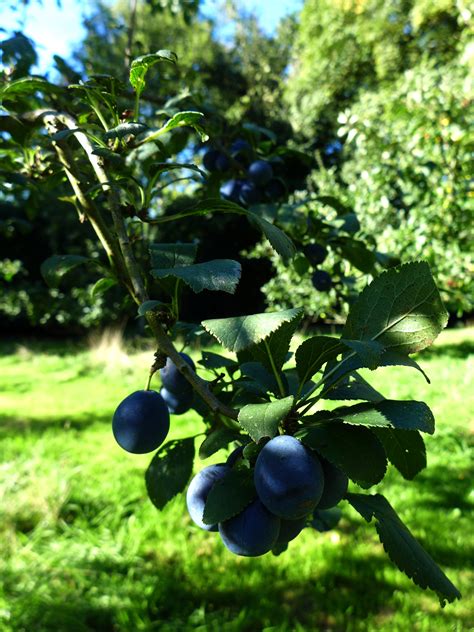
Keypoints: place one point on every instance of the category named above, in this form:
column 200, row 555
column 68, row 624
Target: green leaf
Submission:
column 172, row 255
column 263, row 420
column 326, row 519
column 169, row 471
column 404, row 415
column 405, row 449
column 313, row 354
column 157, row 168
column 113, row 157
column 402, row 548
column 358, row 254
column 212, row 360
column 140, row 66
column 272, row 352
column 102, row 285
column 55, row 267
column 65, row 133
column 263, row 378
column 334, row 203
column 354, row 449
column 354, row 387
column 401, row 308
column 229, row 496
column 217, row 440
column 221, row 275
column 187, row 118
column 369, row 351
column 27, row 86
column 148, row 306
column 279, row 241
column 125, row 129
column 240, row 332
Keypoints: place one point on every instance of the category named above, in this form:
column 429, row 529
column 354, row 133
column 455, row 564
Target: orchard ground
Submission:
column 83, row 548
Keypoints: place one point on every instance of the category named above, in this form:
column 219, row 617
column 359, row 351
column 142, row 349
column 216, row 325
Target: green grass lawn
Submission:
column 82, row 548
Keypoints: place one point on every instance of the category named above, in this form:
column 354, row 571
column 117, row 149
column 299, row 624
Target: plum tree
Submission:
column 198, row 491
column 252, row 532
column 289, row 480
column 321, row 280
column 335, row 485
column 260, row 172
column 171, row 378
column 141, row 422
column 177, row 403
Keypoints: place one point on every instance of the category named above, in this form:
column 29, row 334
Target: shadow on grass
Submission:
column 460, row 350
column 15, row 426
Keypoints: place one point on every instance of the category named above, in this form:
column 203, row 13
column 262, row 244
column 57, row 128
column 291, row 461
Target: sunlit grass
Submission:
column 83, row 548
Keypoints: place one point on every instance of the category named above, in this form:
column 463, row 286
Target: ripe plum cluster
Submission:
column 292, row 484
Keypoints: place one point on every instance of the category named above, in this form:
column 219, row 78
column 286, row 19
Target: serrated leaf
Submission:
column 55, row 267
column 148, row 306
column 240, row 332
column 401, row 308
column 354, row 449
column 313, row 354
column 272, row 352
column 402, row 548
column 102, row 285
column 212, row 360
column 229, row 496
column 369, row 351
column 169, row 471
column 140, row 66
column 279, row 241
column 263, row 420
column 125, row 129
column 403, row 415
column 354, row 387
column 405, row 449
column 221, row 275
column 263, row 378
column 217, row 440
column 172, row 255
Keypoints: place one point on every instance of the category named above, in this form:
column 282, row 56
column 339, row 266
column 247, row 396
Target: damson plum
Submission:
column 249, row 193
column 321, row 281
column 198, row 492
column 335, row 485
column 315, row 253
column 289, row 480
column 214, row 160
column 252, row 532
column 172, row 380
column 141, row 422
column 178, row 404
column 260, row 172
column 230, row 190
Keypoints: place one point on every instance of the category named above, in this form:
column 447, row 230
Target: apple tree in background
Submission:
column 290, row 461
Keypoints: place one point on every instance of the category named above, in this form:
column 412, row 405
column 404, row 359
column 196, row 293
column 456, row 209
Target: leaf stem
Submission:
column 277, row 375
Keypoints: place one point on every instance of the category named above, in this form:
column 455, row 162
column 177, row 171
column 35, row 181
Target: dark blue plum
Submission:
column 321, row 281
column 222, row 162
column 252, row 532
column 289, row 529
column 172, row 379
column 335, row 485
column 230, row 190
column 289, row 480
column 240, row 145
column 315, row 253
column 260, row 172
column 141, row 422
column 275, row 189
column 178, row 404
column 198, row 491
column 249, row 193
column 209, row 159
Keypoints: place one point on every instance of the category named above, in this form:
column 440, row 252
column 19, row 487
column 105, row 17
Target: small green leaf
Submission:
column 157, row 168
column 102, row 285
column 217, row 440
column 28, row 85
column 357, row 253
column 181, row 119
column 354, row 387
column 65, row 133
column 212, row 360
column 354, row 449
column 55, row 267
column 279, row 241
column 369, row 351
column 221, row 275
column 403, row 415
column 326, row 519
column 313, row 354
column 172, row 255
column 229, row 496
column 240, row 332
column 402, row 548
column 140, row 66
column 334, row 203
column 169, row 471
column 263, row 420
column 148, row 306
column 125, row 129
column 401, row 308
column 405, row 449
